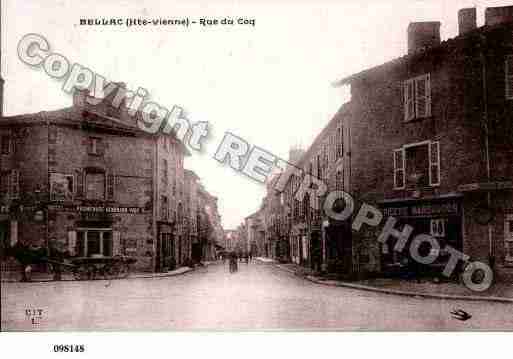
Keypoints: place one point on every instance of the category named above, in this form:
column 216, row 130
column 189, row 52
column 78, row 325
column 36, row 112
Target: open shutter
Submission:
column 116, row 243
column 72, row 243
column 434, row 163
column 409, row 104
column 110, row 186
column 399, row 174
column 15, row 184
column 422, row 96
column 509, row 77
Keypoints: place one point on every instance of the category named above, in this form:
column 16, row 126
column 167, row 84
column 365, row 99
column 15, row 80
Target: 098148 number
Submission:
column 69, row 348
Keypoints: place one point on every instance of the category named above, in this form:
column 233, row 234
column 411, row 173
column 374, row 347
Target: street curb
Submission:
column 136, row 276
column 399, row 292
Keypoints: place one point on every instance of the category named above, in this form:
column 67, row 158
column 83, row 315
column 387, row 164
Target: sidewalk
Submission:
column 500, row 292
column 47, row 277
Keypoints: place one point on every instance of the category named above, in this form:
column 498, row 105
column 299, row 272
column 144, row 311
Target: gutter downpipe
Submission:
column 487, row 142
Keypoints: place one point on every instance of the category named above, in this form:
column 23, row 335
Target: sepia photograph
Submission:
column 255, row 166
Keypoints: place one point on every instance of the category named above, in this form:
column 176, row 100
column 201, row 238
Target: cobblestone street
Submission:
column 259, row 296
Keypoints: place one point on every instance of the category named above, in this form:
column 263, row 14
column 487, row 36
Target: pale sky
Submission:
column 269, row 84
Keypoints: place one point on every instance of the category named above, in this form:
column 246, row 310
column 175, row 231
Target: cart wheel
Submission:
column 80, row 272
column 111, row 271
column 91, row 272
column 124, row 270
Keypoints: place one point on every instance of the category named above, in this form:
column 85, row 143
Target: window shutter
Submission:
column 110, row 186
column 434, row 163
column 15, row 184
column 509, row 77
column 116, row 243
column 422, row 96
column 72, row 243
column 80, row 184
column 399, row 174
column 13, row 229
column 409, row 104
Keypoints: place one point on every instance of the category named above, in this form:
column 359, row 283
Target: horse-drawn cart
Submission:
column 84, row 268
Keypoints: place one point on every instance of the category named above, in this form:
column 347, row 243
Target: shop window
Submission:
column 95, row 186
column 508, row 77
column 93, row 242
column 417, row 98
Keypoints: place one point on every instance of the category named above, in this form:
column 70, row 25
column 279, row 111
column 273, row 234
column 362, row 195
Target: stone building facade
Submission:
column 87, row 180
column 432, row 141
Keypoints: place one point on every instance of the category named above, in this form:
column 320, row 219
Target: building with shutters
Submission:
column 432, row 143
column 87, row 180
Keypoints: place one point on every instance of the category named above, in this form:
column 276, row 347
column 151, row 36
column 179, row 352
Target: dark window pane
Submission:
column 93, row 243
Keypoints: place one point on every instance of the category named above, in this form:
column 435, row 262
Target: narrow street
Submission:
column 259, row 296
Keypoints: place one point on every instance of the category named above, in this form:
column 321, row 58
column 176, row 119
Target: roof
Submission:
column 444, row 45
column 191, row 173
column 78, row 116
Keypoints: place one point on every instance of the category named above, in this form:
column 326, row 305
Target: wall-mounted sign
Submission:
column 450, row 208
column 97, row 209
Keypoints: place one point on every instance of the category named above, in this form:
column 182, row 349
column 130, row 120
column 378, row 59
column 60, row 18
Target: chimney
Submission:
column 295, row 155
column 467, row 20
column 498, row 15
column 422, row 35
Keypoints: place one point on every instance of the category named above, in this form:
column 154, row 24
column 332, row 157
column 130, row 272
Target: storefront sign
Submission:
column 96, row 209
column 424, row 210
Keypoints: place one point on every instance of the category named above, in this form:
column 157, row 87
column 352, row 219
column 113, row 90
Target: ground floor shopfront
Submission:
column 92, row 231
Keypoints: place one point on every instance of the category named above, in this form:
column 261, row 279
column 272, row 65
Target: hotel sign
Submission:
column 450, row 208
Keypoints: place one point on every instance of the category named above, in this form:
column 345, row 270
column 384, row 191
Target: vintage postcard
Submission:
column 254, row 165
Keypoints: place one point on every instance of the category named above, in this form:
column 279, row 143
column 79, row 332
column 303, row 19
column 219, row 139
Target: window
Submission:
column 95, row 186
column 339, row 143
column 61, row 187
column 399, row 174
column 508, row 238
column 165, row 171
column 417, row 165
column 164, row 209
column 509, row 77
column 110, row 186
column 319, row 167
column 434, row 163
column 15, row 184
column 93, row 242
column 5, row 145
column 95, row 146
column 417, row 98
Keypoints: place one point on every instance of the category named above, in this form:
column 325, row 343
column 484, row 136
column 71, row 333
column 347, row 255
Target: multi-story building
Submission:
column 432, row 142
column 192, row 205
column 87, row 180
column 314, row 240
